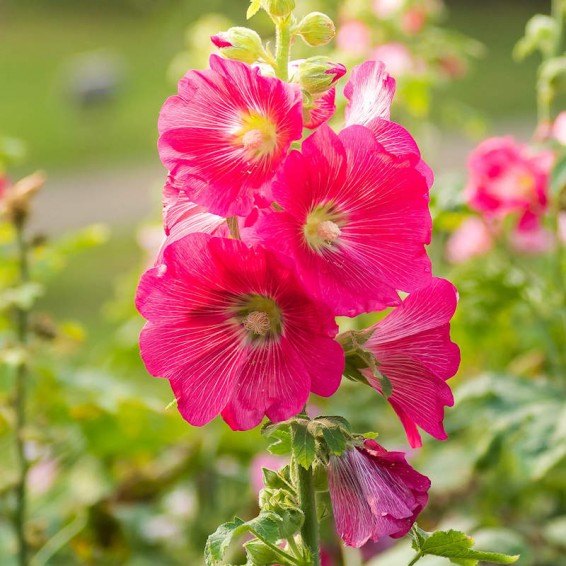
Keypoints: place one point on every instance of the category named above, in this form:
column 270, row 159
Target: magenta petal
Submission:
column 273, row 382
column 369, row 92
column 413, row 350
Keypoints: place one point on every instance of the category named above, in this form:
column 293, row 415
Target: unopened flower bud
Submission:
column 316, row 29
column 239, row 43
column 16, row 199
column 316, row 75
column 278, row 8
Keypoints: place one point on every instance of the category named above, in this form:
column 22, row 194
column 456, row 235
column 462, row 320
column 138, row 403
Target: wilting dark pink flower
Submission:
column 225, row 134
column 234, row 332
column 355, row 221
column 370, row 92
column 505, row 176
column 413, row 350
column 374, row 493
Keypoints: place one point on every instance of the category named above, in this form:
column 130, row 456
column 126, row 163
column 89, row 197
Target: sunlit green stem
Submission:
column 307, row 501
column 20, row 402
column 282, row 47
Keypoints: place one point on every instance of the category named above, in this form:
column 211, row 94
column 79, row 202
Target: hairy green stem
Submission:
column 307, row 501
column 282, row 48
column 415, row 559
column 20, row 403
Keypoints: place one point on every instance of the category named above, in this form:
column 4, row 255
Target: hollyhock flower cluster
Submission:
column 265, row 245
column 375, row 493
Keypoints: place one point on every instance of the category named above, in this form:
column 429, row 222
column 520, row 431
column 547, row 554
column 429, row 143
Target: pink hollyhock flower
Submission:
column 505, row 177
column 374, row 493
column 413, row 350
column 355, row 221
column 369, row 93
column 472, row 239
column 354, row 37
column 230, row 326
column 226, row 133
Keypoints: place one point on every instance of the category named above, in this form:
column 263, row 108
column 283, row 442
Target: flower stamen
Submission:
column 257, row 322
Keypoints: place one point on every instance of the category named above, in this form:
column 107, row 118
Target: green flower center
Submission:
column 259, row 316
column 323, row 227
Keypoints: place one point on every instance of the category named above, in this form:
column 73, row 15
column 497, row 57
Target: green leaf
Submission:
column 335, row 440
column 456, row 546
column 219, row 541
column 279, row 438
column 259, row 554
column 265, row 526
column 303, row 442
column 253, row 8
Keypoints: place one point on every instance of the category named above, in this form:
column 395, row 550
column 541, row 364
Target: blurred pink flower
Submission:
column 387, row 8
column 471, row 239
column 559, row 128
column 42, row 475
column 413, row 20
column 531, row 237
column 354, row 37
column 562, row 227
column 374, row 493
column 413, row 350
column 231, row 327
column 505, row 176
column 399, row 61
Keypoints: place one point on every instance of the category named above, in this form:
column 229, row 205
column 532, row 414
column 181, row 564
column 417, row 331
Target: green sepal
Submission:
column 456, row 546
column 278, row 436
column 259, row 554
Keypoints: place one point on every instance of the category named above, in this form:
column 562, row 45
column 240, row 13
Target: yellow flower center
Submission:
column 323, row 228
column 257, row 135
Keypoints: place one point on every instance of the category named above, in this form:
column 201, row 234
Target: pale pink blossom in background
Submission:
column 41, row 475
column 534, row 240
column 413, row 20
column 398, row 60
column 387, row 8
column 559, row 128
column 562, row 227
column 354, row 37
column 471, row 239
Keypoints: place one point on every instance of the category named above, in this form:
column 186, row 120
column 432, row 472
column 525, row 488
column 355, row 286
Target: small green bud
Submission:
column 278, row 8
column 316, row 29
column 239, row 43
column 316, row 75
